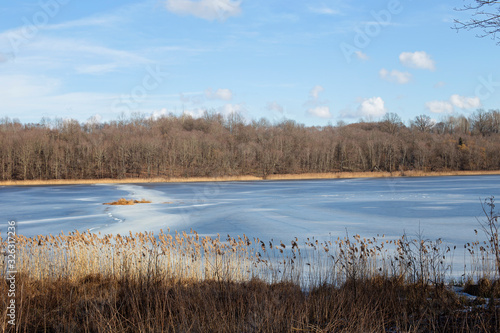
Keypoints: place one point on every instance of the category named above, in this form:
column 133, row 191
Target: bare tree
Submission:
column 391, row 123
column 486, row 16
column 482, row 122
column 495, row 119
column 173, row 146
column 423, row 123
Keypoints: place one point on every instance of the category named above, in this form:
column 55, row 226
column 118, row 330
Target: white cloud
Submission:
column 223, row 94
column 320, row 111
column 224, row 110
column 463, row 102
column 314, row 93
column 232, row 108
column 205, row 9
column 315, row 106
column 160, row 113
column 361, row 55
column 419, row 59
column 195, row 113
column 439, row 106
column 372, row 107
column 95, row 119
column 440, row 84
column 395, row 76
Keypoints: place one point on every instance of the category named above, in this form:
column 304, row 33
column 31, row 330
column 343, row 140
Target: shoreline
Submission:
column 305, row 176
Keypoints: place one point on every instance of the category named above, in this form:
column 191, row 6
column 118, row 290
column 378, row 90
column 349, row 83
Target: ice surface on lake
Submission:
column 441, row 207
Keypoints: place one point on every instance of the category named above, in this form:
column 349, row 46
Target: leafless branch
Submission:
column 486, row 17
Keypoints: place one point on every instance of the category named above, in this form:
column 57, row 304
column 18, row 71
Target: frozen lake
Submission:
column 442, row 207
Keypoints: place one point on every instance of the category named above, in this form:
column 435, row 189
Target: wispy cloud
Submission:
column 83, row 47
column 395, row 76
column 223, row 94
column 440, row 84
column 97, row 69
column 274, row 106
column 314, row 93
column 25, row 34
column 58, row 42
column 93, row 21
column 361, row 55
column 205, row 9
column 324, row 10
column 82, row 56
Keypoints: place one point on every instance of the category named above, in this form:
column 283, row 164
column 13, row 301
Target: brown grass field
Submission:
column 84, row 282
column 336, row 175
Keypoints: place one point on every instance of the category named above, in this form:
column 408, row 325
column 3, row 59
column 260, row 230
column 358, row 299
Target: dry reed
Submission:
column 332, row 175
column 184, row 282
column 187, row 256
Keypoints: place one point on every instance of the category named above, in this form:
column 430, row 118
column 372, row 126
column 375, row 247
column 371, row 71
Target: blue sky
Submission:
column 316, row 62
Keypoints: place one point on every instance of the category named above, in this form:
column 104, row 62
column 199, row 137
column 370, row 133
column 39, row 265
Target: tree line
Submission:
column 215, row 145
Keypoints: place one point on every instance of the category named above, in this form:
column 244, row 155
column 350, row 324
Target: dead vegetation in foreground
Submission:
column 96, row 303
column 84, row 282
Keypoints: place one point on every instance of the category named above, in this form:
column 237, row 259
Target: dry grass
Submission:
column 99, row 304
column 127, row 180
column 189, row 257
column 380, row 174
column 334, row 175
column 183, row 256
column 85, row 282
column 125, row 202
